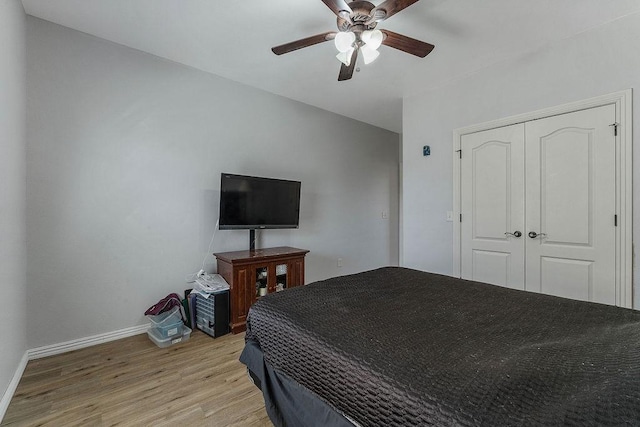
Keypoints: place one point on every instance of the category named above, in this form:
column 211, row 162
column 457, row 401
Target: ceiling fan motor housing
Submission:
column 360, row 18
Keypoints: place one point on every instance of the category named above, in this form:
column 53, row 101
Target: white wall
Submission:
column 124, row 159
column 12, row 189
column 603, row 60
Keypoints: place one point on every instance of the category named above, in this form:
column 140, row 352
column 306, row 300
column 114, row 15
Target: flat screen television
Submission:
column 251, row 202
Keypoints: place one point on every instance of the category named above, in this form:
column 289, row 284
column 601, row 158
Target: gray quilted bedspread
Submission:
column 399, row 347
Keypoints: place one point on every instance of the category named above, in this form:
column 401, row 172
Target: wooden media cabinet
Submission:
column 254, row 273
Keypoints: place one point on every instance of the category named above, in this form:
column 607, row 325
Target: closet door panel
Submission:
column 566, row 187
column 492, row 204
column 570, row 187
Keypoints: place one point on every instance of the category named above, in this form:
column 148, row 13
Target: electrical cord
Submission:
column 193, row 276
column 255, row 239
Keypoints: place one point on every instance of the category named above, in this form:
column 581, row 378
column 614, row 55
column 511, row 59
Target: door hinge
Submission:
column 459, row 153
column 460, row 217
column 615, row 128
column 615, row 220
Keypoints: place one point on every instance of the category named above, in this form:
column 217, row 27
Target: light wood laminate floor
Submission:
column 131, row 382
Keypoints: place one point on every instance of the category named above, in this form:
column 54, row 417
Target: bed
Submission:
column 400, row 347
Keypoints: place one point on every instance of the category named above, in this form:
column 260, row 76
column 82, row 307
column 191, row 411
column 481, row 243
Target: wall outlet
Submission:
column 339, row 262
column 449, row 216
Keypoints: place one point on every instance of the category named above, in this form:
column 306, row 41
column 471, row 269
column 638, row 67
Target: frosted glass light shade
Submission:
column 345, row 57
column 372, row 38
column 368, row 54
column 344, row 40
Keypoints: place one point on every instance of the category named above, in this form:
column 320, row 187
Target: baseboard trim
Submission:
column 53, row 349
column 13, row 385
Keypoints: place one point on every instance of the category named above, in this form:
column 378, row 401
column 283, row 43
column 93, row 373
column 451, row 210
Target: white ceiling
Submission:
column 232, row 39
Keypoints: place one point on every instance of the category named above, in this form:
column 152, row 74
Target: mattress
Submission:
column 400, row 347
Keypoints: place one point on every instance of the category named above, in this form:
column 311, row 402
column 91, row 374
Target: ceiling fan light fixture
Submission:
column 344, row 41
column 356, row 30
column 372, row 38
column 368, row 54
column 345, row 57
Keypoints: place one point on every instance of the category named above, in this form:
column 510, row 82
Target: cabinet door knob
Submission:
column 514, row 234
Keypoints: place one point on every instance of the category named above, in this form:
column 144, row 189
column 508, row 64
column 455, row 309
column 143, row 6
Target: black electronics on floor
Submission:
column 212, row 314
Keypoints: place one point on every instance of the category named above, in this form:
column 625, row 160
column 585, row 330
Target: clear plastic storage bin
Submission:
column 167, row 324
column 167, row 342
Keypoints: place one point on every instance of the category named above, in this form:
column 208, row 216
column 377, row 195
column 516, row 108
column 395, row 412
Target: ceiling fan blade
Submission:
column 337, row 5
column 346, row 72
column 406, row 44
column 389, row 8
column 306, row 42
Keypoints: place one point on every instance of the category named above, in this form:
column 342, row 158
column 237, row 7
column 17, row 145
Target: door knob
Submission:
column 533, row 234
column 514, row 234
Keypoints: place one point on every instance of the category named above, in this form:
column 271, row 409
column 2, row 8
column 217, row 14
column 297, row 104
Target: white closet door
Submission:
column 492, row 204
column 570, row 188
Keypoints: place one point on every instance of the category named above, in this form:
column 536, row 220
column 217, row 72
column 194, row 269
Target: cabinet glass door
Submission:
column 281, row 277
column 262, row 276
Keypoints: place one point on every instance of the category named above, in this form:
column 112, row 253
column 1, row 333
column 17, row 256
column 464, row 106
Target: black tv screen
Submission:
column 250, row 202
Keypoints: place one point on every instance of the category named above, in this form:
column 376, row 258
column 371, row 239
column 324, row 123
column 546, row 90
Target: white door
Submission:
column 570, row 191
column 492, row 206
column 567, row 245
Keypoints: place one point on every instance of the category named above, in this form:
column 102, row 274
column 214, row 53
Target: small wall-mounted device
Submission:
column 426, row 150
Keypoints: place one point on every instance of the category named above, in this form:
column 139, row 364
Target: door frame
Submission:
column 624, row 197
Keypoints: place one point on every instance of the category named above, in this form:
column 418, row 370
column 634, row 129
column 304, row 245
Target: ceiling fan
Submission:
column 357, row 31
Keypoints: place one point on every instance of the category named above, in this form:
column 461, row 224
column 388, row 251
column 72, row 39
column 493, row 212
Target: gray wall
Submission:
column 12, row 189
column 600, row 61
column 124, row 157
